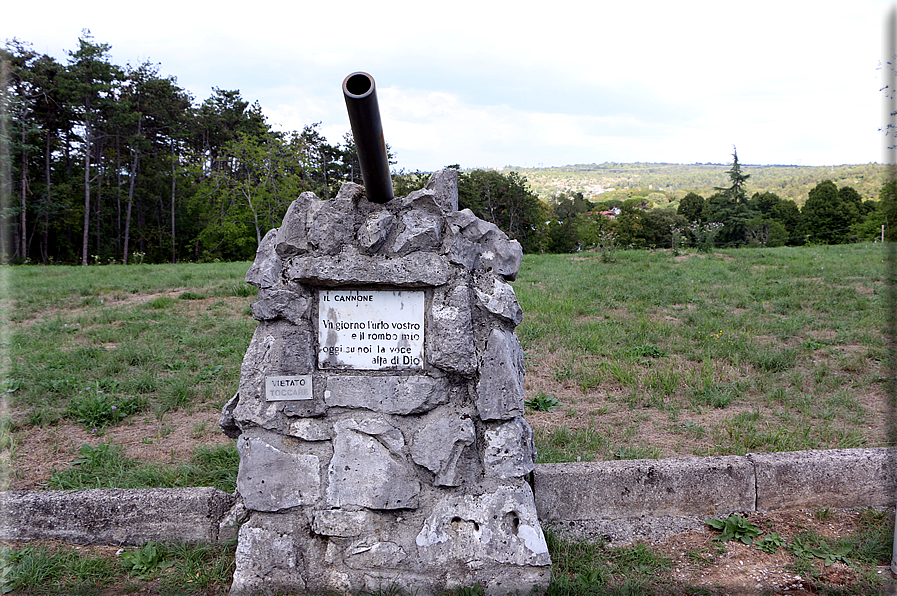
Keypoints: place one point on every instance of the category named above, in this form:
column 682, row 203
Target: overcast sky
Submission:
column 490, row 84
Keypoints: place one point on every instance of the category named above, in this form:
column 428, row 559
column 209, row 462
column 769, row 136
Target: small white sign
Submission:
column 371, row 329
column 288, row 388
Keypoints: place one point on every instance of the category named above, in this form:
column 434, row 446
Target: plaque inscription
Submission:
column 370, row 329
column 288, row 388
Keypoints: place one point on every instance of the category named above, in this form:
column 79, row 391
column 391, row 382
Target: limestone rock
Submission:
column 270, row 479
column 334, row 222
column 450, row 333
column 368, row 468
column 445, row 185
column 341, row 523
column 368, row 553
column 438, row 447
column 499, row 298
column 500, row 386
column 509, row 449
column 388, row 395
column 292, row 236
column 226, row 422
column 415, row 270
column 265, row 271
column 422, row 200
column 420, row 231
column 480, row 245
column 310, row 429
column 273, row 304
column 373, row 231
column 265, row 557
column 500, row 526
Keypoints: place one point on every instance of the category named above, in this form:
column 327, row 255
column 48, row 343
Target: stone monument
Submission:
column 379, row 417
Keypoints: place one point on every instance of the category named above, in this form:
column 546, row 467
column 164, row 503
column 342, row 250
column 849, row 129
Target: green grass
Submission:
column 63, row 570
column 651, row 355
column 752, row 346
column 104, row 466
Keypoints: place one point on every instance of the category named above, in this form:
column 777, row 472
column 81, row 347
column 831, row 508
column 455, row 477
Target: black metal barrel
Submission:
column 364, row 116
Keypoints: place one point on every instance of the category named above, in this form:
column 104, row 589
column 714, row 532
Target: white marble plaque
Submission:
column 288, row 388
column 370, row 329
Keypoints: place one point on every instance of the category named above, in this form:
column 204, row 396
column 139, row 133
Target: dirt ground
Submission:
column 41, row 451
column 737, row 569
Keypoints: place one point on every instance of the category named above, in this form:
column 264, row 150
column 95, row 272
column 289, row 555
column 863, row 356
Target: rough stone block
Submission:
column 374, row 230
column 368, row 468
column 271, row 480
column 835, row 477
column 265, row 271
column 422, row 200
column 310, row 429
column 341, row 523
column 266, row 559
column 388, row 395
column 499, row 298
column 508, row 450
column 500, row 386
column 438, row 447
column 274, row 304
column 292, row 236
column 674, row 487
column 334, row 222
column 480, row 245
column 450, row 332
column 420, row 231
column 445, row 185
column 414, row 270
column 499, row 526
column 370, row 553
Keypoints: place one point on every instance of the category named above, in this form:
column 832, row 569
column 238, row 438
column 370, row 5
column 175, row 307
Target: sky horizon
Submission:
column 527, row 85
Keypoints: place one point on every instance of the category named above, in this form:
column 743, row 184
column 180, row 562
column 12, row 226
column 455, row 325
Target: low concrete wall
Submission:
column 623, row 501
column 114, row 516
column 831, row 478
column 619, row 501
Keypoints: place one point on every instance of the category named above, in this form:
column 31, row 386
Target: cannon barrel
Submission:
column 364, row 116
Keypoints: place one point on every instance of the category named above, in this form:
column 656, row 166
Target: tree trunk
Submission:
column 45, row 236
column 5, row 163
column 130, row 203
column 173, row 188
column 23, row 188
column 118, row 194
column 86, row 235
column 98, row 218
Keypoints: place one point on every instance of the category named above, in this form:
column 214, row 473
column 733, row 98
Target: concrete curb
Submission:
column 620, row 501
column 115, row 516
column 628, row 500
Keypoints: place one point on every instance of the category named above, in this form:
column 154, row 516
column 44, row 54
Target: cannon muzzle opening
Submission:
column 364, row 117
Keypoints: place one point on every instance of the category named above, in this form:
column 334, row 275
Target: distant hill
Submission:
column 666, row 183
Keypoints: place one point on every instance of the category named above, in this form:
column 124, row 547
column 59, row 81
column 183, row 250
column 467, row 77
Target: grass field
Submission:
column 660, row 355
column 115, row 376
column 645, row 355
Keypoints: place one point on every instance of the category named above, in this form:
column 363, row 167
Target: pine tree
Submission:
column 736, row 191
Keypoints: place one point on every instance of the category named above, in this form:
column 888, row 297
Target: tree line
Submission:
column 727, row 218
column 102, row 163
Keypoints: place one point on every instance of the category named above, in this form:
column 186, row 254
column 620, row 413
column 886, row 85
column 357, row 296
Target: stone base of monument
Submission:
column 380, row 410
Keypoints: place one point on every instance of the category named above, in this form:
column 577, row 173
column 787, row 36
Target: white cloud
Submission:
column 496, row 83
